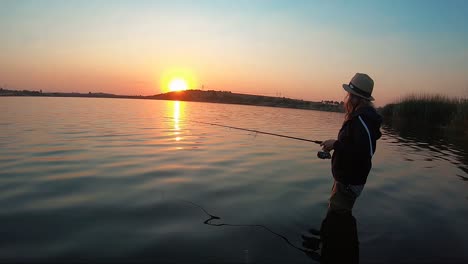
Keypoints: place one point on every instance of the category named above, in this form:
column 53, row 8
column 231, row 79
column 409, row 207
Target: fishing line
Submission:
column 255, row 131
column 214, row 217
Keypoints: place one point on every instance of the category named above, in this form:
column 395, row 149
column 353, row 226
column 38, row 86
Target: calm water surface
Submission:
column 135, row 180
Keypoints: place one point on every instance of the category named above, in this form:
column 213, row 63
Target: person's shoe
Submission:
column 310, row 243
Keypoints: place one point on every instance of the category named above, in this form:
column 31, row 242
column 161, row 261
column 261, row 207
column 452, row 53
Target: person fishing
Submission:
column 355, row 145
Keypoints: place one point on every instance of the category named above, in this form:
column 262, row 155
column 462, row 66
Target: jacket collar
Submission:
column 362, row 110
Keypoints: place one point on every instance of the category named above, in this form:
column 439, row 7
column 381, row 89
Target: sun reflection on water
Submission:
column 176, row 109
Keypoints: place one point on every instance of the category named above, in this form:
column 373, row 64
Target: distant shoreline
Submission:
column 224, row 97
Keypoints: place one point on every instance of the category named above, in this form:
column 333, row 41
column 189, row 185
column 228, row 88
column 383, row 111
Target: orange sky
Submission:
column 298, row 50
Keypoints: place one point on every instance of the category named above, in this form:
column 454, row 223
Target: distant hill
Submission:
column 226, row 97
column 211, row 96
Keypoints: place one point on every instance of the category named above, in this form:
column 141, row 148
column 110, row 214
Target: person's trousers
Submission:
column 342, row 199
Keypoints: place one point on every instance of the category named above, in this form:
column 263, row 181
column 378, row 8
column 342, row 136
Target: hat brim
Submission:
column 350, row 90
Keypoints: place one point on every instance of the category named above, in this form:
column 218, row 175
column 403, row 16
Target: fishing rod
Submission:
column 320, row 154
column 260, row 132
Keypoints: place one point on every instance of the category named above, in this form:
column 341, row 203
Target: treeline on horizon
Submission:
column 425, row 112
column 228, row 97
column 6, row 92
column 211, row 96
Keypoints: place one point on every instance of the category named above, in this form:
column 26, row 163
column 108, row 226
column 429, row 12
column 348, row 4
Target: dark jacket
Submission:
column 352, row 158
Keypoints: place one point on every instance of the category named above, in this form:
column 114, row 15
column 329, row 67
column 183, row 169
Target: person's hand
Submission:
column 327, row 145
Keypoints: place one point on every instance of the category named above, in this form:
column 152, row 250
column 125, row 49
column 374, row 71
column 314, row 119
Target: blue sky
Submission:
column 302, row 49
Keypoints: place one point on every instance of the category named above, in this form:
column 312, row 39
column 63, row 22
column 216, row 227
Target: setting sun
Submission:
column 174, row 79
column 178, row 85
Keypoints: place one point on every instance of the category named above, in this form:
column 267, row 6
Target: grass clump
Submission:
column 428, row 111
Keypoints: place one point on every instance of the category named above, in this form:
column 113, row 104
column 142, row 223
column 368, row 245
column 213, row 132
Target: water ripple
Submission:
column 102, row 180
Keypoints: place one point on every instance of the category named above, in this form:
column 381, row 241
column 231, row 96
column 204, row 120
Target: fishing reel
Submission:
column 323, row 154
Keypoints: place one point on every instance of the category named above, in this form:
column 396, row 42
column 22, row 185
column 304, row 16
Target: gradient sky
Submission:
column 301, row 49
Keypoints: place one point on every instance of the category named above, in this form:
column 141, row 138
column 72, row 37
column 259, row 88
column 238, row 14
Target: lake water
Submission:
column 117, row 180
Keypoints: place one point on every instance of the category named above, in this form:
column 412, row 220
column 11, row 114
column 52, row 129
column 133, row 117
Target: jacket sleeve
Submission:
column 355, row 141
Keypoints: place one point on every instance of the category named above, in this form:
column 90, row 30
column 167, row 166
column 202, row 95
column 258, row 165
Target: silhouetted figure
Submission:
column 337, row 241
column 355, row 145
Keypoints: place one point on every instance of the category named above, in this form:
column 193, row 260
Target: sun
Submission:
column 175, row 79
column 178, row 85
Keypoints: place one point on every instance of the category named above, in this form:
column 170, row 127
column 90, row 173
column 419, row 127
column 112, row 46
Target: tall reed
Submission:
column 428, row 111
